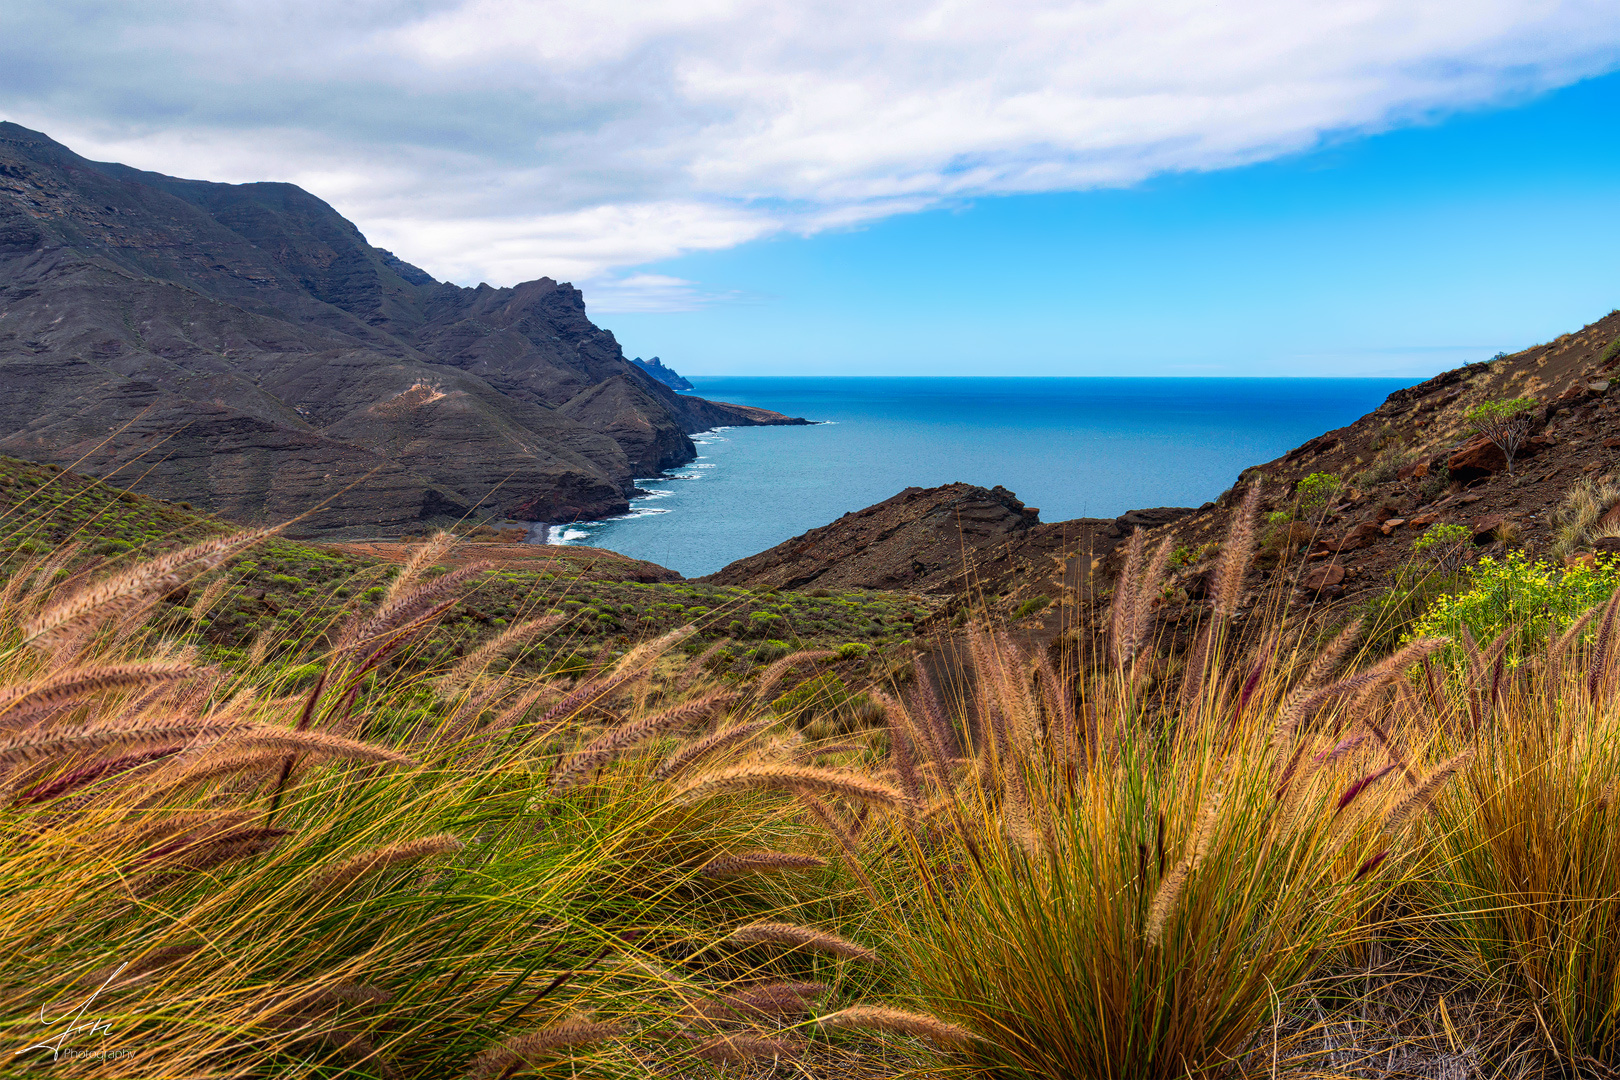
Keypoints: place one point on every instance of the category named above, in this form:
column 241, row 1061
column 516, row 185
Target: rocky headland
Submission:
column 242, row 347
column 664, row 373
column 1410, row 465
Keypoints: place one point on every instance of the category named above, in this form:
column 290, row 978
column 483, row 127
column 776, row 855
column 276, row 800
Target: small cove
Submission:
column 1074, row 447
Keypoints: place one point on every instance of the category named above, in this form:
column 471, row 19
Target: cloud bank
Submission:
column 502, row 140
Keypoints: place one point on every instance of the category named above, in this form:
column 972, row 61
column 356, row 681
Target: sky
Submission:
column 1143, row 187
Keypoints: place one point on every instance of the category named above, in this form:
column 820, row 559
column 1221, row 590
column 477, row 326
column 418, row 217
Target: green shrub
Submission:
column 1031, row 606
column 853, row 650
column 1532, row 597
column 285, row 580
column 825, row 694
column 1439, row 538
column 771, row 651
column 1435, row 483
column 765, row 624
column 1612, row 353
column 113, row 547
column 1506, row 422
column 1313, row 493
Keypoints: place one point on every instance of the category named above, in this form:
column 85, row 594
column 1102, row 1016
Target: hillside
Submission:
column 242, row 347
column 1388, row 478
column 286, row 594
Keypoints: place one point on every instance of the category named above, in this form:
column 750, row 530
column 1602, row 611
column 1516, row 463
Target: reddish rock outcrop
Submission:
column 920, row 540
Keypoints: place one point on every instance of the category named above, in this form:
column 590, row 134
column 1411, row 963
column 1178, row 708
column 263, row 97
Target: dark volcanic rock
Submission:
column 243, row 347
column 663, row 373
column 1150, row 518
column 917, row 540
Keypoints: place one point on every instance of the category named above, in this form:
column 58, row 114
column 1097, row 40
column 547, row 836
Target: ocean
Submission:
column 1075, row 447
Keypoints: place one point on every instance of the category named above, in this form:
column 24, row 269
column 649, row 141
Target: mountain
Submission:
column 666, row 375
column 242, row 347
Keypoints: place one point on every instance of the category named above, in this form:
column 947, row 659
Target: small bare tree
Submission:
column 1506, row 423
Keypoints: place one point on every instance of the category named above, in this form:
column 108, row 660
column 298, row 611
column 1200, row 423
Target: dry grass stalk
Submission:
column 1416, row 801
column 471, row 665
column 810, row 753
column 751, row 862
column 898, row 1022
column 1122, row 611
column 774, row 1001
column 1393, row 748
column 499, row 1061
column 1305, row 699
column 222, row 759
column 590, row 692
column 1354, row 791
column 352, row 994
column 122, row 593
column 178, row 859
column 171, row 828
column 1598, row 663
column 1484, row 673
column 1236, row 552
column 777, row 671
column 85, row 775
column 732, row 1049
column 20, row 704
column 141, row 969
column 206, row 599
column 1062, row 730
column 695, row 751
column 847, row 843
column 697, row 666
column 901, row 731
column 799, row 937
column 316, row 742
column 417, row 563
column 941, row 735
column 1137, row 612
column 1328, row 660
column 610, row 744
column 381, row 858
column 42, row 745
column 845, row 783
column 407, row 610
column 1557, row 648
column 1169, row 891
column 1191, row 696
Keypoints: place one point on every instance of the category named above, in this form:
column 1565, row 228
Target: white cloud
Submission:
column 505, row 139
column 612, row 295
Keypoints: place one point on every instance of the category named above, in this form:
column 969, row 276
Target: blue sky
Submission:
column 1295, row 187
column 1396, row 254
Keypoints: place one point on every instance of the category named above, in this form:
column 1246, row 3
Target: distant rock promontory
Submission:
column 663, row 373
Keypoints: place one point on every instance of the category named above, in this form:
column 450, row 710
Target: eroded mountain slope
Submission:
column 244, row 348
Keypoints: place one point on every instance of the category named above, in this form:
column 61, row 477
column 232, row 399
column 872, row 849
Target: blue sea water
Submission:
column 1076, row 447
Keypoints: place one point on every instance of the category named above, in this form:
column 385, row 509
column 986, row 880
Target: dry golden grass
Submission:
column 1161, row 867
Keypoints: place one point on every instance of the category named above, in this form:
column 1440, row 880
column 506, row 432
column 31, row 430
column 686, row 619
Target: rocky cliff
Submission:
column 243, row 347
column 664, row 373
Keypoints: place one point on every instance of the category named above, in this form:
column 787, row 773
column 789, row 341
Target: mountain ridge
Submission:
column 244, row 347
